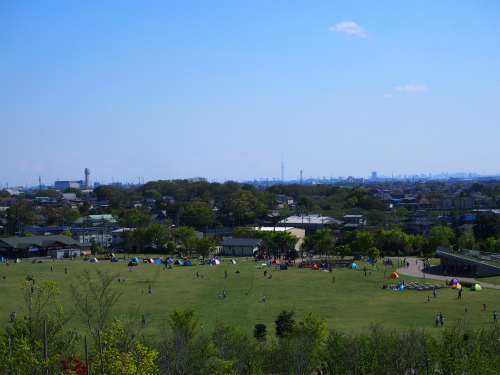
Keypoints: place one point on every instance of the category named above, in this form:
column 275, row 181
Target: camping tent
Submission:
column 264, row 265
column 185, row 258
column 374, row 268
column 216, row 261
column 369, row 260
column 394, row 275
column 353, row 266
column 457, row 286
column 476, row 287
column 315, row 267
column 2, row 259
column 453, row 281
column 178, row 262
column 135, row 259
column 170, row 259
column 132, row 264
column 30, row 277
column 232, row 261
column 283, row 266
column 157, row 261
column 151, row 260
column 94, row 260
column 188, row 263
column 114, row 259
column 17, row 260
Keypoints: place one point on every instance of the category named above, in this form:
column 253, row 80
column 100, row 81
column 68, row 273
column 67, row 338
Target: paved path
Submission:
column 435, row 272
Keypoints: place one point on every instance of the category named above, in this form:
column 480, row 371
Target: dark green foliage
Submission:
column 260, row 332
column 284, row 323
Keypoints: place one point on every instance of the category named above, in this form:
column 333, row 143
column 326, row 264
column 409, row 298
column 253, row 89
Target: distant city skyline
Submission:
column 231, row 90
column 274, row 179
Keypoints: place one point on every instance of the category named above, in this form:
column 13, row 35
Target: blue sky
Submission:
column 224, row 89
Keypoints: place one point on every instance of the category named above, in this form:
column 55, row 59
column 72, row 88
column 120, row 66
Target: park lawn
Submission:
column 351, row 303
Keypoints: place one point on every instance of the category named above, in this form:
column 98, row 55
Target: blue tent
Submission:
column 188, row 263
column 157, row 261
column 352, row 266
column 178, row 262
column 283, row 266
column 135, row 260
column 2, row 259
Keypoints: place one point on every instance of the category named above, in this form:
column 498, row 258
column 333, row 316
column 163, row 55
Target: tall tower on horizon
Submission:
column 87, row 177
column 282, row 170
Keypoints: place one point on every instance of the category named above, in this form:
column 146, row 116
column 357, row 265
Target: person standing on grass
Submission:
column 437, row 320
column 143, row 320
column 495, row 316
column 263, row 298
column 484, row 306
column 434, row 293
column 201, row 326
column 224, row 293
column 442, row 321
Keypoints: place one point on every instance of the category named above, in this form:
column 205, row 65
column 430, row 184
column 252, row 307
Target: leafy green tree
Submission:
column 373, row 252
column 123, row 353
column 364, row 241
column 441, row 236
column 134, row 218
column 487, row 226
column 94, row 298
column 321, row 242
column 22, row 344
column 184, row 351
column 467, row 241
column 260, row 332
column 235, row 347
column 491, row 245
column 106, row 192
column 171, row 248
column 18, row 215
column 51, row 193
column 67, row 233
column 157, row 235
column 343, row 250
column 204, row 246
column 284, row 323
column 186, row 236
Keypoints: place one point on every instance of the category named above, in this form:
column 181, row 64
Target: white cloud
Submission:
column 387, row 95
column 412, row 88
column 350, row 28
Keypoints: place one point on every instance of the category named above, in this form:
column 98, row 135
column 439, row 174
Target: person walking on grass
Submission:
column 495, row 316
column 437, row 320
column 434, row 293
column 224, row 293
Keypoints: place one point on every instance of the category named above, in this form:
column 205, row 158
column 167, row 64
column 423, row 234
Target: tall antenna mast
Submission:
column 40, row 182
column 301, row 176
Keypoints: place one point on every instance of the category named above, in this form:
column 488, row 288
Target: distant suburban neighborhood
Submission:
column 398, row 217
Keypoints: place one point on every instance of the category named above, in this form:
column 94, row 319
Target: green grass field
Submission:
column 350, row 303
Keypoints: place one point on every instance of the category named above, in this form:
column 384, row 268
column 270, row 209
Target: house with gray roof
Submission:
column 243, row 246
column 37, row 246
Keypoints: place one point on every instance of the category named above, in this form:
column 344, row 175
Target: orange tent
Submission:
column 394, row 275
column 457, row 286
column 315, row 267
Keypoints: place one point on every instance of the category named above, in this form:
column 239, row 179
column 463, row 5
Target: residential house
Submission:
column 353, row 222
column 243, row 246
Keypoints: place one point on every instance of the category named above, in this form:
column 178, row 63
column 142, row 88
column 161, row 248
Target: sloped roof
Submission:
column 242, row 242
column 38, row 241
